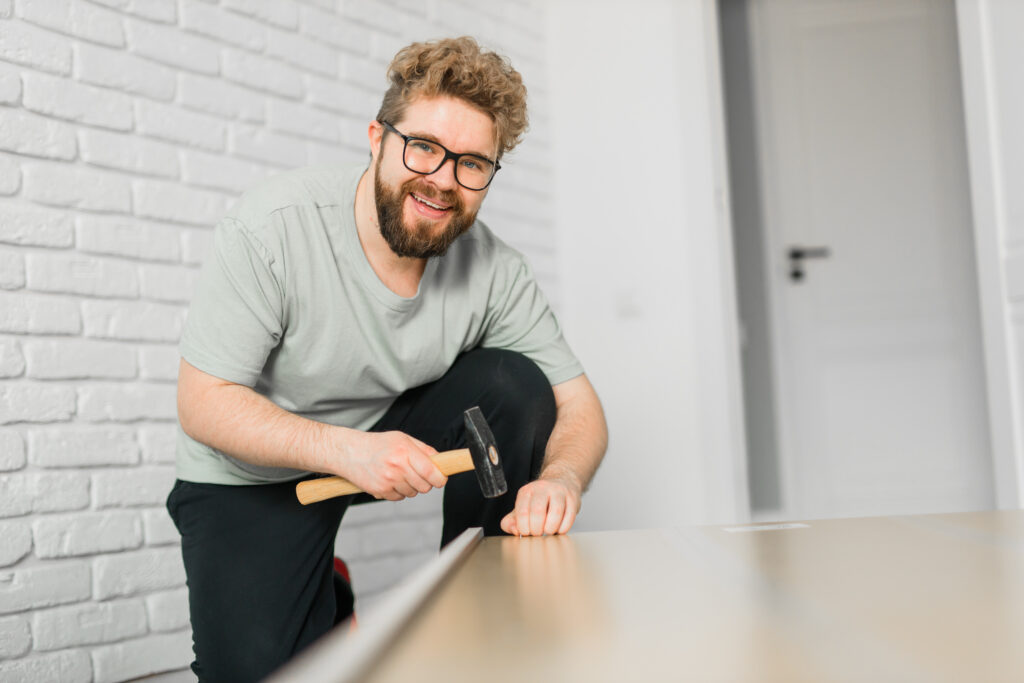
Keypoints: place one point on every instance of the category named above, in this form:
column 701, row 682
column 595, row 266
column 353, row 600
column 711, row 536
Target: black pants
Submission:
column 259, row 564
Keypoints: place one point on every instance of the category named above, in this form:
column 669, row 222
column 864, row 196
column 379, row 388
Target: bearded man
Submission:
column 344, row 320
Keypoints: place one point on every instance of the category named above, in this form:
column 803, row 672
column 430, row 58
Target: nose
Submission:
column 444, row 177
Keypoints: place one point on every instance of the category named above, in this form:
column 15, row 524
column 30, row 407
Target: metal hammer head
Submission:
column 485, row 454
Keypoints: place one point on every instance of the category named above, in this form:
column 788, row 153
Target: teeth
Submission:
column 430, row 204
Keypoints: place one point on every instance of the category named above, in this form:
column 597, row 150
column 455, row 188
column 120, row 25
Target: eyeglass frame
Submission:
column 448, row 154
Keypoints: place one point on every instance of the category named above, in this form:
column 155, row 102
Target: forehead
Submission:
column 454, row 123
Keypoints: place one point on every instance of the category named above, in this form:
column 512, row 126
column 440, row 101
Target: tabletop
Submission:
column 914, row 598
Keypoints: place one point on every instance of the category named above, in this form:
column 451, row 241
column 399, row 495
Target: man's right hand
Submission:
column 390, row 465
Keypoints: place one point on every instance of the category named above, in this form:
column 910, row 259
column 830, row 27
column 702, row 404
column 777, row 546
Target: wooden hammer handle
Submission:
column 315, row 490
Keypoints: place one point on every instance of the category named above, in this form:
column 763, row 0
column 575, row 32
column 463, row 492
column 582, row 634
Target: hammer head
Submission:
column 486, row 462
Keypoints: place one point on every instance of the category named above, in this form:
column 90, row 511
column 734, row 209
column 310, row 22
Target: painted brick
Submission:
column 26, row 492
column 298, row 50
column 12, row 361
column 195, row 245
column 303, row 121
column 385, row 46
column 122, row 71
column 127, row 237
column 365, row 73
column 91, row 624
column 34, row 47
column 17, row 542
column 43, row 586
column 82, row 447
column 25, row 133
column 137, row 571
column 12, row 450
column 133, row 321
column 375, row 14
column 226, row 27
column 333, row 30
column 167, row 283
column 274, row 12
column 165, row 11
column 22, row 313
column 158, row 526
column 132, row 487
column 159, row 363
column 369, row 513
column 333, row 154
column 126, row 402
column 10, row 172
column 171, row 46
column 219, row 172
column 371, row 576
column 72, row 666
column 75, row 18
column 179, row 125
column 396, row 538
column 348, row 544
column 78, row 274
column 10, row 85
column 342, row 97
column 168, row 611
column 260, row 144
column 12, row 276
column 128, row 153
column 76, row 187
column 173, row 202
column 158, row 444
column 218, row 97
column 62, row 98
column 261, row 73
column 135, row 658
column 38, row 227
column 36, row 403
column 79, row 358
column 354, row 132
column 86, row 533
column 15, row 639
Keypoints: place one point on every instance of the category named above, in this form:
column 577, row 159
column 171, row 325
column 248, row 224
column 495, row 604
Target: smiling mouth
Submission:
column 427, row 202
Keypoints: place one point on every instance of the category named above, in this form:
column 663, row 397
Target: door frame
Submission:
column 986, row 180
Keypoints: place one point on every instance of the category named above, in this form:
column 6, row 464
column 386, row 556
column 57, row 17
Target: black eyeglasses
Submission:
column 423, row 156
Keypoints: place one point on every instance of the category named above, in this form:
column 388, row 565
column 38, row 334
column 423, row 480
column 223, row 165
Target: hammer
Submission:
column 481, row 456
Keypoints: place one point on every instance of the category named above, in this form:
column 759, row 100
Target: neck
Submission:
column 400, row 274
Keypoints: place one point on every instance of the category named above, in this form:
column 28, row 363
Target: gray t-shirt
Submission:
column 288, row 304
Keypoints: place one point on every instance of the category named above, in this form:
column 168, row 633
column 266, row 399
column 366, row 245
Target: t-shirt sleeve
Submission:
column 521, row 320
column 236, row 316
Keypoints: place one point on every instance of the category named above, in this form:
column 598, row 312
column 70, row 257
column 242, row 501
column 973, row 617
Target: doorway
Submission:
column 862, row 360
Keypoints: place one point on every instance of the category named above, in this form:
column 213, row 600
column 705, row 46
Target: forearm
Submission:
column 238, row 421
column 578, row 440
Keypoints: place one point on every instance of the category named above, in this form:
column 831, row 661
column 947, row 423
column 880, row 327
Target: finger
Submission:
column 403, row 489
column 425, row 448
column 568, row 519
column 538, row 511
column 522, row 512
column 508, row 523
column 556, row 511
column 427, row 472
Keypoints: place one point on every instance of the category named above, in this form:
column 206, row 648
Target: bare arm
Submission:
column 240, row 422
column 574, row 451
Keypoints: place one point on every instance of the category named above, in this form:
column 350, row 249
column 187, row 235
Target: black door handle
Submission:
column 797, row 256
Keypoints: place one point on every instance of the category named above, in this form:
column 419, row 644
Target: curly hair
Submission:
column 458, row 67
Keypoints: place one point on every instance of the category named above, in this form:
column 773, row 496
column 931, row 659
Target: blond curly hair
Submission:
column 458, row 67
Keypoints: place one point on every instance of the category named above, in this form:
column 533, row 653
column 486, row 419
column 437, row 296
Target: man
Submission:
column 344, row 321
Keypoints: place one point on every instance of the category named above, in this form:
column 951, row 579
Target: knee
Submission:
column 521, row 385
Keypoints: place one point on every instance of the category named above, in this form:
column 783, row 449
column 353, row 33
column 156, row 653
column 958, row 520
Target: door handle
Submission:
column 797, row 256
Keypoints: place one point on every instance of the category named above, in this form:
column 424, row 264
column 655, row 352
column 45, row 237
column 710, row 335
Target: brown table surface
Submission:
column 916, row 598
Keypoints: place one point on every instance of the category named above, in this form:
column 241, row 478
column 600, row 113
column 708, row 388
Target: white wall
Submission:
column 645, row 255
column 992, row 53
column 126, row 129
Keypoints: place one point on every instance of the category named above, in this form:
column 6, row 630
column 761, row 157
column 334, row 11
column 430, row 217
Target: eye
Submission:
column 422, row 146
column 470, row 164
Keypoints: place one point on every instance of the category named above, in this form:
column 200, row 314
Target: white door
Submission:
column 878, row 371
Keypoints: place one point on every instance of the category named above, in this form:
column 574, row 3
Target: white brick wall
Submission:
column 127, row 127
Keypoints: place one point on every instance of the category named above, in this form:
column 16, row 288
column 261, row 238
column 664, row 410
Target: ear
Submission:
column 375, row 133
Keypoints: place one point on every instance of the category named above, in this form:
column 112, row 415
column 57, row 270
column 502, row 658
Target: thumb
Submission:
column 508, row 524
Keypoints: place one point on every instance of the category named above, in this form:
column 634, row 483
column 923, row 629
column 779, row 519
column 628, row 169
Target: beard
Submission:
column 418, row 240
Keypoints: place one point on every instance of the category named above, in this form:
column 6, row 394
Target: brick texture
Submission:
column 127, row 129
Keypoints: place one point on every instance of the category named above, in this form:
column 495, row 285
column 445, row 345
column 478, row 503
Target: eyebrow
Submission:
column 428, row 136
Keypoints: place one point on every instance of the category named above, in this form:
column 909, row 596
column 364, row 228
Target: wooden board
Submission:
column 920, row 598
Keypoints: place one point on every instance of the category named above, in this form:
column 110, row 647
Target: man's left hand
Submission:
column 543, row 507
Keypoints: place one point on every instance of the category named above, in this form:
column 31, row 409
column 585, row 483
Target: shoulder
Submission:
column 481, row 247
column 292, row 191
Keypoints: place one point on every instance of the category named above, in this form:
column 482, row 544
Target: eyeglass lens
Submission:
column 424, row 156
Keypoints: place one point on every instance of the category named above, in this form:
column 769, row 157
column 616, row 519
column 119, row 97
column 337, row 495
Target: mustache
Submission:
column 428, row 191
